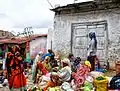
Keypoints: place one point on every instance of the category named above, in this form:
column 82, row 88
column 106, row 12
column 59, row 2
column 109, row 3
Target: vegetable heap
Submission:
column 100, row 78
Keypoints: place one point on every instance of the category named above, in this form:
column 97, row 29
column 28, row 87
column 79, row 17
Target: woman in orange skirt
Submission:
column 15, row 70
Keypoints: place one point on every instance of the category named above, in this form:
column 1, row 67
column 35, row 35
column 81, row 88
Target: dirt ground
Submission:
column 4, row 89
column 30, row 84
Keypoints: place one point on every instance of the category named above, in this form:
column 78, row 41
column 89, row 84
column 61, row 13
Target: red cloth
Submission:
column 42, row 68
column 16, row 78
column 40, row 65
column 44, row 71
column 17, row 81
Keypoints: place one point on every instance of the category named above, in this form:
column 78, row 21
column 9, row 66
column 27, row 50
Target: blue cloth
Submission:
column 48, row 54
column 101, row 70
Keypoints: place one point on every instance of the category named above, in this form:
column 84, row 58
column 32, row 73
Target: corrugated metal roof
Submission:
column 22, row 39
column 71, row 6
column 14, row 40
column 89, row 6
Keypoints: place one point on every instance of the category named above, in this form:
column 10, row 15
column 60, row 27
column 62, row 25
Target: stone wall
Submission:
column 62, row 30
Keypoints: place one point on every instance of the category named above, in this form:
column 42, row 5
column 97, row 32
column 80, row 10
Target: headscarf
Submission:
column 47, row 58
column 17, row 48
column 40, row 53
column 92, row 35
column 67, row 61
column 87, row 63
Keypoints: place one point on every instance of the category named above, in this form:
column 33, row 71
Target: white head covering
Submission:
column 40, row 52
column 67, row 61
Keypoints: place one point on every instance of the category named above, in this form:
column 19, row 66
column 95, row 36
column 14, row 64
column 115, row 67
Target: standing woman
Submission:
column 15, row 70
column 92, row 49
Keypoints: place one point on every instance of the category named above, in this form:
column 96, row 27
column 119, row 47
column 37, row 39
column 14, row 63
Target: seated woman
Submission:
column 63, row 75
column 46, row 63
column 65, row 72
column 53, row 61
column 39, row 68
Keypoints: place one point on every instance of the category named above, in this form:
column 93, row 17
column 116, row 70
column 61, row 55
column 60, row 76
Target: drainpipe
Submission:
column 51, row 44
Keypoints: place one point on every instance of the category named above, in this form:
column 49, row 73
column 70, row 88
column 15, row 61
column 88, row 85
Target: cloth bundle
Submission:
column 80, row 75
column 66, row 87
column 65, row 74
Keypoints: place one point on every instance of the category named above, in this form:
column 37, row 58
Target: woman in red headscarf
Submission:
column 15, row 69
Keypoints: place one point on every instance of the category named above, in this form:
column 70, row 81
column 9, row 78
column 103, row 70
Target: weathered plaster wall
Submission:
column 37, row 45
column 62, row 35
column 62, row 30
column 49, row 38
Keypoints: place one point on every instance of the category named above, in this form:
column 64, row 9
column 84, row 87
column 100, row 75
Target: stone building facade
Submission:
column 73, row 22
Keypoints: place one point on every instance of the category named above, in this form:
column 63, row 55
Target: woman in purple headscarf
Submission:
column 92, row 49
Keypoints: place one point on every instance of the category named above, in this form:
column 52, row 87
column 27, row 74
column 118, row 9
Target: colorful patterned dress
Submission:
column 15, row 72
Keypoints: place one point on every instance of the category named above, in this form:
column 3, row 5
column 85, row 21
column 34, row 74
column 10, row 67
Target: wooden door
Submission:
column 80, row 39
